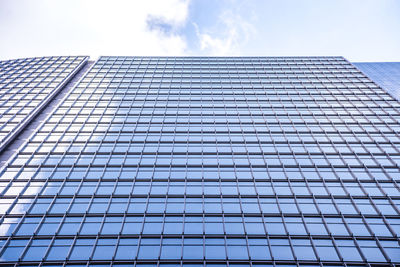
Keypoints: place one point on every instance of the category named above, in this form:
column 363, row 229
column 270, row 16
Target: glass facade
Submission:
column 25, row 85
column 385, row 74
column 203, row 161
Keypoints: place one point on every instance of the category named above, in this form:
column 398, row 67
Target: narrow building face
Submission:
column 204, row 161
column 385, row 74
column 27, row 85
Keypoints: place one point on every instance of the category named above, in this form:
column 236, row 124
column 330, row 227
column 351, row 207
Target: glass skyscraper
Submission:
column 385, row 74
column 209, row 161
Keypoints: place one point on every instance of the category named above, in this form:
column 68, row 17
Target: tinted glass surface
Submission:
column 385, row 74
column 208, row 162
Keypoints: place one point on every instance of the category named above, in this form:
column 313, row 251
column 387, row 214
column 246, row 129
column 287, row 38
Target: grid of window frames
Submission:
column 209, row 162
column 26, row 83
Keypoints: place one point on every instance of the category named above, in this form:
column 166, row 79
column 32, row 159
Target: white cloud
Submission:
column 174, row 12
column 93, row 27
column 123, row 26
column 231, row 32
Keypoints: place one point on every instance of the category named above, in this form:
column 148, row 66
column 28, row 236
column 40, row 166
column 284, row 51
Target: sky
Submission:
column 360, row 30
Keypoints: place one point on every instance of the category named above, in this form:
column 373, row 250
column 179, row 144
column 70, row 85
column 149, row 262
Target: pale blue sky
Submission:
column 360, row 30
